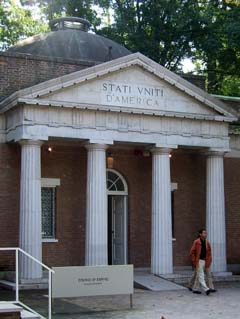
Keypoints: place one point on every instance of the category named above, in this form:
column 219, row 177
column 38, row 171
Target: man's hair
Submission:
column 201, row 231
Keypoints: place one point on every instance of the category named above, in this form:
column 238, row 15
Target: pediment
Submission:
column 130, row 84
column 130, row 88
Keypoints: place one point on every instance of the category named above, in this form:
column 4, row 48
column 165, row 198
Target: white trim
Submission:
column 233, row 154
column 125, row 192
column 124, row 109
column 174, row 187
column 49, row 240
column 50, row 182
column 125, row 230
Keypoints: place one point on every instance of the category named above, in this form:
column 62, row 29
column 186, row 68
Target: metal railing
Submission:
column 50, row 272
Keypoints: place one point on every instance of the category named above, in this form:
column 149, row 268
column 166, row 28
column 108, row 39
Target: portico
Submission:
column 128, row 101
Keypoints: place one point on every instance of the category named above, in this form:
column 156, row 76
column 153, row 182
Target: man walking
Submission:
column 201, row 259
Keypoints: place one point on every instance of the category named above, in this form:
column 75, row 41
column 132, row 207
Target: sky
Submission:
column 188, row 66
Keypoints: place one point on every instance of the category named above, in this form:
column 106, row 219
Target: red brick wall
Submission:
column 188, row 171
column 9, row 200
column 232, row 200
column 70, row 165
column 18, row 71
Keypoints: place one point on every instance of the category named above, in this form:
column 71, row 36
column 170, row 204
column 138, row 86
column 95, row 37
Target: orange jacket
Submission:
column 195, row 253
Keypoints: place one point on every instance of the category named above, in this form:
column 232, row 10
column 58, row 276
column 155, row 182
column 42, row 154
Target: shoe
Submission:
column 196, row 292
column 190, row 289
column 212, row 290
column 208, row 292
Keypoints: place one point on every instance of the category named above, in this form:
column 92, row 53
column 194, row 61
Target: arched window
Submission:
column 116, row 183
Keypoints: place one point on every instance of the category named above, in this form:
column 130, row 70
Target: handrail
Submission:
column 25, row 253
column 37, row 261
column 50, row 272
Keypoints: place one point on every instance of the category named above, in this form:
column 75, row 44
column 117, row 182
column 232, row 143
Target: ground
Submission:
column 225, row 303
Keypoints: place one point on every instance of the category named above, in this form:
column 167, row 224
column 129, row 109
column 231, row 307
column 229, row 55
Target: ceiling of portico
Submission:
column 116, row 146
column 132, row 84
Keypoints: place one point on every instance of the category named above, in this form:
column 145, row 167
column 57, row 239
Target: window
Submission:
column 172, row 200
column 115, row 183
column 48, row 212
column 48, row 193
column 174, row 187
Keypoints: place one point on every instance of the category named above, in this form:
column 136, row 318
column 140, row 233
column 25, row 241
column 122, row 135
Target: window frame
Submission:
column 51, row 183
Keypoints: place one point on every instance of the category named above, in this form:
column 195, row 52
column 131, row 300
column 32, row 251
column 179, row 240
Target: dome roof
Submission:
column 69, row 39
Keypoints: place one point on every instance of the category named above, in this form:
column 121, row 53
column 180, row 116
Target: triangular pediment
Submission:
column 133, row 83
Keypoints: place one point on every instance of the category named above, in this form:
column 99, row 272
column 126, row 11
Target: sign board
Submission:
column 92, row 281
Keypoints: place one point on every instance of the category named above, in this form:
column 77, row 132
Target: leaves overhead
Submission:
column 16, row 23
column 167, row 31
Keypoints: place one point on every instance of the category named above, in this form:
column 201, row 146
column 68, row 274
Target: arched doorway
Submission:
column 117, row 192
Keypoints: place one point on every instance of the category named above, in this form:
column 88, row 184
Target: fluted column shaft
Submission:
column 161, row 249
column 216, row 226
column 30, row 208
column 96, row 246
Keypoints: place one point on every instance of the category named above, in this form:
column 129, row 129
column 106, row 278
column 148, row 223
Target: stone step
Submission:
column 29, row 315
column 9, row 308
column 26, row 286
column 154, row 283
column 217, row 277
column 179, row 277
column 14, row 311
column 11, row 276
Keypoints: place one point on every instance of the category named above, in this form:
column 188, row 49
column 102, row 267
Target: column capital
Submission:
column 96, row 146
column 161, row 150
column 214, row 152
column 31, row 142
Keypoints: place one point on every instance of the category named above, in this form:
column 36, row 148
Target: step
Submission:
column 26, row 286
column 29, row 315
column 154, row 283
column 11, row 308
column 183, row 278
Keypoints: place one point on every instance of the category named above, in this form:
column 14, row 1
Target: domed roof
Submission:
column 69, row 39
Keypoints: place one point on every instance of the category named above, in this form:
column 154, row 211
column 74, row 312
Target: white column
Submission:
column 96, row 246
column 30, row 209
column 161, row 250
column 216, row 226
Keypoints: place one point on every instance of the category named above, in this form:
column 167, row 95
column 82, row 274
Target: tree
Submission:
column 16, row 23
column 167, row 31
column 86, row 9
column 217, row 44
column 160, row 30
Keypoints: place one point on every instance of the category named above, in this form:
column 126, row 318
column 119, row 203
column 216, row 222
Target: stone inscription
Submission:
column 123, row 94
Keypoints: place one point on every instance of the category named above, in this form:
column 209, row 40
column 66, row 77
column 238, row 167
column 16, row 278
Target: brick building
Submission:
column 108, row 157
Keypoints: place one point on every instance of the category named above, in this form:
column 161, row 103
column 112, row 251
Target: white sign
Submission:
column 92, row 281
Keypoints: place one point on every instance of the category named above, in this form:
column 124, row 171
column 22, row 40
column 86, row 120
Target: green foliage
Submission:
column 86, row 9
column 217, row 44
column 16, row 23
column 230, row 86
column 159, row 29
column 167, row 31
